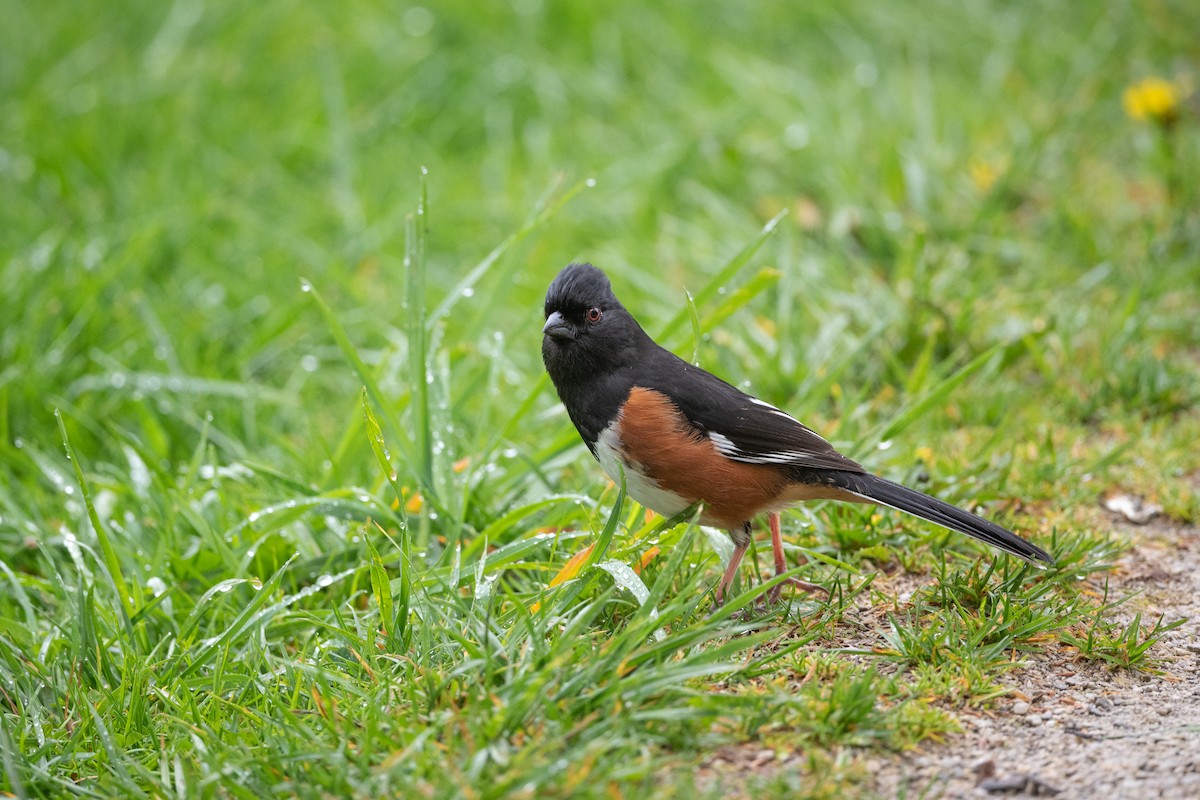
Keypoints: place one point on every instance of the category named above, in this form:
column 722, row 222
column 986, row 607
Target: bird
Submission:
column 677, row 435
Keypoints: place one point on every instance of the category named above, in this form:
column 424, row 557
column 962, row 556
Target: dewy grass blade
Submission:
column 624, row 576
column 723, row 277
column 348, row 349
column 211, row 647
column 398, row 617
column 414, row 315
column 680, row 549
column 610, row 528
column 379, row 448
column 381, row 587
column 7, row 753
column 111, row 561
column 116, row 756
column 697, row 330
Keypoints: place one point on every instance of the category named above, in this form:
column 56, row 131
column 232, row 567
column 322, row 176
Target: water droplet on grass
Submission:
column 796, row 136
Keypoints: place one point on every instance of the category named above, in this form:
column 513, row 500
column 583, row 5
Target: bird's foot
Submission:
column 773, row 594
column 770, row 597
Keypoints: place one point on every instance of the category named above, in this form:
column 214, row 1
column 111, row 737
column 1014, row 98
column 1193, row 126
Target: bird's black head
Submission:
column 587, row 332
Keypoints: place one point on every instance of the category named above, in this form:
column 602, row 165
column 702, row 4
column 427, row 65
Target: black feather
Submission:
column 884, row 492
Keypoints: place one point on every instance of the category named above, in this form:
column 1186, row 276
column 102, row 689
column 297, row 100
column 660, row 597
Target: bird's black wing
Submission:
column 741, row 427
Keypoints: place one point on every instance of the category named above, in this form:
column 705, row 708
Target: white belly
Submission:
column 640, row 487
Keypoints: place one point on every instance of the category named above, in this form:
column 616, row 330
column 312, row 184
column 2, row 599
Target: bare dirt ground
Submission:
column 1078, row 729
column 1070, row 728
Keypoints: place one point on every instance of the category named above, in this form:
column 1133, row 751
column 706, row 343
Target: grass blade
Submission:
column 381, row 587
column 419, row 376
column 111, row 561
column 365, row 374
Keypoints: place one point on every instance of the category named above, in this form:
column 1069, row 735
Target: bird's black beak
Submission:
column 556, row 327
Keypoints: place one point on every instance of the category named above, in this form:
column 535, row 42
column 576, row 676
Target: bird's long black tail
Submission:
column 884, row 492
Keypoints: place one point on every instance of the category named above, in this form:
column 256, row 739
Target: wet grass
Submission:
column 288, row 507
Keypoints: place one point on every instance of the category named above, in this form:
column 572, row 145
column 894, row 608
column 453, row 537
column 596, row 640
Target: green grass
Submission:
column 283, row 487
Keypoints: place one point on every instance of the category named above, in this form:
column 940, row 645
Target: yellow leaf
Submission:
column 647, row 557
column 568, row 571
column 572, row 567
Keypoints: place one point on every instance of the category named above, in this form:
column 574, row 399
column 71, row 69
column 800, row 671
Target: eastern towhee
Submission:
column 677, row 434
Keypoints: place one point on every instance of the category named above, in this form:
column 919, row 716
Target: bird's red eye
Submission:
column 594, row 314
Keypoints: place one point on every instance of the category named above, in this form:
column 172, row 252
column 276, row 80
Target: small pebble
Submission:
column 1020, row 708
column 763, row 757
column 984, row 768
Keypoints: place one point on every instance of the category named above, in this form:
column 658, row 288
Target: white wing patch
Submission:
column 726, row 447
column 731, row 451
column 781, row 413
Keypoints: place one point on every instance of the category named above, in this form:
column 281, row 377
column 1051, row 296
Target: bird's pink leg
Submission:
column 735, row 561
column 781, row 565
column 777, row 543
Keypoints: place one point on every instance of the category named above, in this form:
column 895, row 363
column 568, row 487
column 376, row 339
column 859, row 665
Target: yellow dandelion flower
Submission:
column 983, row 174
column 1153, row 100
column 414, row 504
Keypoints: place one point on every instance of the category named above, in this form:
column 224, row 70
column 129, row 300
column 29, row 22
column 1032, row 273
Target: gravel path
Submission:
column 1074, row 729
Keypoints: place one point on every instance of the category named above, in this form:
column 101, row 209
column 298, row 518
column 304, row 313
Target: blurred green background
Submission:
column 170, row 171
column 978, row 241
